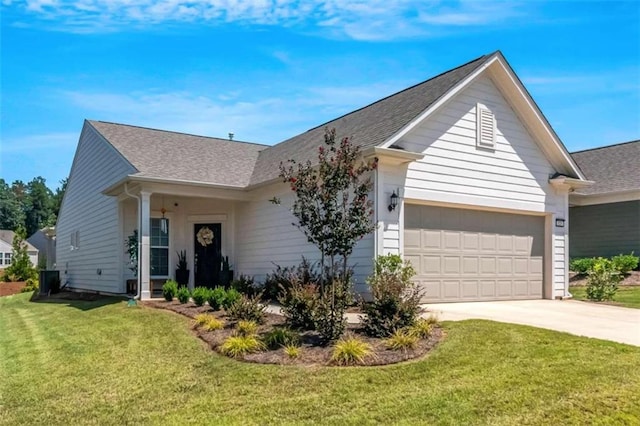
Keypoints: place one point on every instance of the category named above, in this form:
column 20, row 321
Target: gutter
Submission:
column 139, row 286
column 571, row 183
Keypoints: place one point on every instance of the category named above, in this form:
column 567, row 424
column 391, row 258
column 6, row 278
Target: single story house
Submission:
column 6, row 249
column 482, row 178
column 604, row 219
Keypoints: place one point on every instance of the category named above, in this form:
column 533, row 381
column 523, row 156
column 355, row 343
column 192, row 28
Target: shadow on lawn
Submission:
column 82, row 301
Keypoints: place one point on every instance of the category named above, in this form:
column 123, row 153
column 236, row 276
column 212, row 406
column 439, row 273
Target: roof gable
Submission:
column 614, row 168
column 182, row 157
column 7, row 237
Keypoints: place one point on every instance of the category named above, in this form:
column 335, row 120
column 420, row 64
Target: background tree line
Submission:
column 30, row 206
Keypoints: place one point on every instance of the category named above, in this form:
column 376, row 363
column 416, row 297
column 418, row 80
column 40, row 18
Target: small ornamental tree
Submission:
column 21, row 268
column 334, row 212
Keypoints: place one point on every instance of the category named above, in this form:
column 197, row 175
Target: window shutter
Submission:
column 486, row 127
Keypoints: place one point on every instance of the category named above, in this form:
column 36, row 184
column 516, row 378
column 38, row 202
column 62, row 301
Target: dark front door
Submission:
column 207, row 248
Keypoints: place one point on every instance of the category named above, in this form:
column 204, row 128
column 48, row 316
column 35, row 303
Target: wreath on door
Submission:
column 205, row 236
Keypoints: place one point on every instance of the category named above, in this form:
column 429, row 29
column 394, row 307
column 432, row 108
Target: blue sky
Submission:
column 269, row 69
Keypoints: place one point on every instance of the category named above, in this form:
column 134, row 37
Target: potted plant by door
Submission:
column 226, row 273
column 182, row 268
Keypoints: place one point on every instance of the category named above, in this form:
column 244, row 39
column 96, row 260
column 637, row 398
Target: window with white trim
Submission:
column 75, row 240
column 159, row 262
column 7, row 258
column 486, row 127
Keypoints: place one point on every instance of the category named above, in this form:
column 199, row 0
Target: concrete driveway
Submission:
column 579, row 318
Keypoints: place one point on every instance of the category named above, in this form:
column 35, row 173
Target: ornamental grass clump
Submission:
column 422, row 328
column 183, row 295
column 402, row 340
column 281, row 337
column 238, row 346
column 350, row 351
column 201, row 319
column 292, row 351
column 246, row 328
column 213, row 324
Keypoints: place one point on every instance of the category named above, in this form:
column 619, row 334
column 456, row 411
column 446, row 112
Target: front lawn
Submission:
column 627, row 296
column 104, row 363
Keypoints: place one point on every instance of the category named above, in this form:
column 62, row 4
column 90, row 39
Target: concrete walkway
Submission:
column 580, row 318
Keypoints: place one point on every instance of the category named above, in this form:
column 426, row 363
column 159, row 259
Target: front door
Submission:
column 207, row 254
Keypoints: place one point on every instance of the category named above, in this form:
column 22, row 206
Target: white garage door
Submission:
column 468, row 255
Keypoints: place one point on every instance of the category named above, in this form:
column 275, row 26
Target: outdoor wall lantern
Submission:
column 560, row 223
column 393, row 201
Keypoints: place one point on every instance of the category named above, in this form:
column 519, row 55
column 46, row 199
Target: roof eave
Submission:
column 391, row 155
column 115, row 189
column 565, row 182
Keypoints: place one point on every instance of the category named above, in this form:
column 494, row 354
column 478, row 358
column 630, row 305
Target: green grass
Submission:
column 627, row 296
column 105, row 363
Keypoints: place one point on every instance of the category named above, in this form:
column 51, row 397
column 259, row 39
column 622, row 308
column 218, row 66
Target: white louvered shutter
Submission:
column 486, row 126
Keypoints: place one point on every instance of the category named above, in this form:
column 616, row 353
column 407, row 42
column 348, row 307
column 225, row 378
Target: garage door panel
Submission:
column 471, row 255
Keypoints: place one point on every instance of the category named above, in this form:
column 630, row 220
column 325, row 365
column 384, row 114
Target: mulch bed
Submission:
column 312, row 352
column 7, row 289
column 632, row 279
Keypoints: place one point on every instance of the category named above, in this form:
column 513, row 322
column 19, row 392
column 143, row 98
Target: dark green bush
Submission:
column 183, row 294
column 625, row 263
column 581, row 265
column 603, row 280
column 247, row 309
column 280, row 337
column 200, row 295
column 245, row 285
column 231, row 296
column 283, row 278
column 169, row 290
column 395, row 300
column 329, row 313
column 216, row 298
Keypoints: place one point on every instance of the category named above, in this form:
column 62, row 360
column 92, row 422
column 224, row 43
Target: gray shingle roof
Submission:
column 614, row 168
column 369, row 126
column 7, row 237
column 180, row 156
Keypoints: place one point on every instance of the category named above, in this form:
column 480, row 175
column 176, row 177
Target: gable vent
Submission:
column 486, row 127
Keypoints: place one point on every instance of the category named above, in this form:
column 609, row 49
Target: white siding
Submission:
column 266, row 236
column 96, row 166
column 454, row 171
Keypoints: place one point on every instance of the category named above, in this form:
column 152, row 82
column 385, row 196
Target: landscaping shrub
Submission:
column 200, row 295
column 422, row 327
column 395, row 298
column 202, row 319
column 603, row 280
column 350, row 351
column 281, row 337
column 282, row 279
column 32, row 284
column 328, row 316
column 216, row 298
column 245, row 285
column 581, row 265
column 298, row 302
column 402, row 340
column 183, row 294
column 247, row 309
column 231, row 296
column 625, row 263
column 238, row 346
column 247, row 328
column 169, row 290
column 213, row 324
column 21, row 268
column 292, row 352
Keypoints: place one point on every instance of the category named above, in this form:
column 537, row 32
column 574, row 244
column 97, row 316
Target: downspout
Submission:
column 126, row 191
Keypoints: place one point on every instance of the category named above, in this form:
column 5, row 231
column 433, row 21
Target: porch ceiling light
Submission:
column 393, row 201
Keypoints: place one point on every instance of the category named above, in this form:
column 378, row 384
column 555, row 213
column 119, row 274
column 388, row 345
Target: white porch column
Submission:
column 144, row 256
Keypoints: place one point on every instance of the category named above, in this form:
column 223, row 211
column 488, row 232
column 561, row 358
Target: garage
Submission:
column 470, row 255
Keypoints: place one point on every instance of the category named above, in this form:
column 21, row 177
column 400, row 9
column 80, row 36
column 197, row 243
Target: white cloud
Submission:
column 357, row 19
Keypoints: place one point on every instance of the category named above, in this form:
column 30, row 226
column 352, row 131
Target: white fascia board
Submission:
column 391, row 155
column 577, row 199
column 570, row 183
column 440, row 102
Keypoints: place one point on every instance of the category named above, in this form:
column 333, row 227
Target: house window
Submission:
column 75, row 240
column 159, row 262
column 1, row 258
column 7, row 258
column 486, row 127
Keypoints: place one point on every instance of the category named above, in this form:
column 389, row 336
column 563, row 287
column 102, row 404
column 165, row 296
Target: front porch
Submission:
column 171, row 220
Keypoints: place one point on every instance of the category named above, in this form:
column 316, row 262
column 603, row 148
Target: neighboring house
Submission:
column 604, row 219
column 45, row 241
column 482, row 177
column 6, row 249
